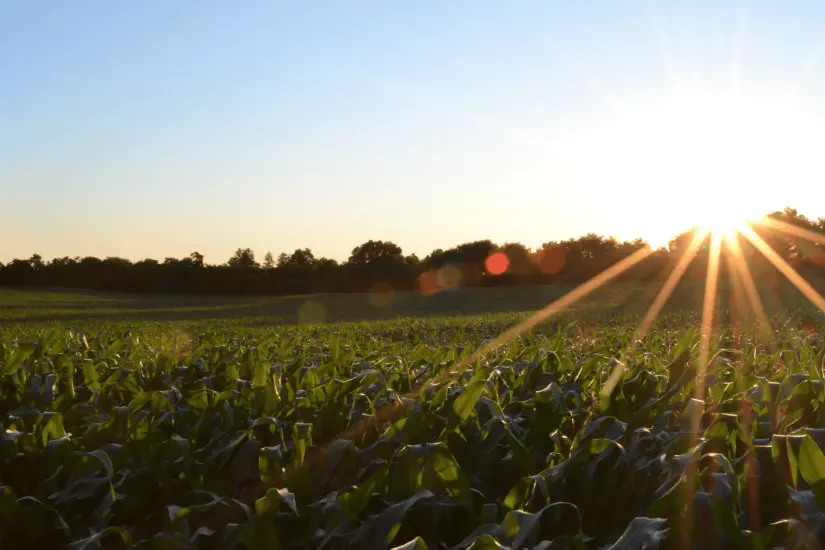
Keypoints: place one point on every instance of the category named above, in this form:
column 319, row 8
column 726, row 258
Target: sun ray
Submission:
column 567, row 300
column 795, row 278
column 388, row 412
column 791, row 229
column 744, row 274
column 743, row 278
column 656, row 307
column 695, row 419
column 708, row 307
column 671, row 282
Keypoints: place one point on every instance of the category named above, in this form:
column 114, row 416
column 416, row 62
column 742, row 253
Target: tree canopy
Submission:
column 383, row 263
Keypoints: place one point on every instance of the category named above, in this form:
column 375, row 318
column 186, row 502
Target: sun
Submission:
column 720, row 160
column 697, row 158
column 717, row 220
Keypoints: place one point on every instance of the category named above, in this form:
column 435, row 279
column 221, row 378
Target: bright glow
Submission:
column 696, row 159
column 718, row 222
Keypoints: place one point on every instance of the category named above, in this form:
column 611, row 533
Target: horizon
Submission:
column 259, row 255
column 151, row 130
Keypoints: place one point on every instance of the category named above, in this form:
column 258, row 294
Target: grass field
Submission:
column 198, row 422
column 37, row 306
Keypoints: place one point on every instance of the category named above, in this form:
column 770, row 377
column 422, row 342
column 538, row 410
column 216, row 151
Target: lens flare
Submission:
column 497, row 263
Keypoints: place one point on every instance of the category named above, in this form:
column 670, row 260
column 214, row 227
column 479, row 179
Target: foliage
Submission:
column 383, row 264
column 243, row 257
column 373, row 436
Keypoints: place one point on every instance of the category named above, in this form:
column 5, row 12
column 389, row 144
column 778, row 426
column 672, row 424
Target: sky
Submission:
column 156, row 128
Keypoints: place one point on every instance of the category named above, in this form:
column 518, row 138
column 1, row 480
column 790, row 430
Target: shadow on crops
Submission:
column 630, row 298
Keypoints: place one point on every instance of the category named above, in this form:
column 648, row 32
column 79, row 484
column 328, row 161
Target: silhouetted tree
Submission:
column 303, row 257
column 36, row 261
column 519, row 261
column 243, row 257
column 269, row 263
column 383, row 263
column 374, row 252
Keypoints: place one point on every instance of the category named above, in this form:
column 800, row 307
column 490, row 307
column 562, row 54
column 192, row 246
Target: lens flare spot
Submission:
column 497, row 263
column 311, row 312
column 448, row 277
column 427, row 283
column 551, row 260
column 381, row 295
column 177, row 343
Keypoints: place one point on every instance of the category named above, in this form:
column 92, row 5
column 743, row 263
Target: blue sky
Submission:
column 154, row 128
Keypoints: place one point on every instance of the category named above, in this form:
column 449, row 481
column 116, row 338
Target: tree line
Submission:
column 382, row 266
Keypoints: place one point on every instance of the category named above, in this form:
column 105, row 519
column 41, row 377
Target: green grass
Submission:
column 27, row 306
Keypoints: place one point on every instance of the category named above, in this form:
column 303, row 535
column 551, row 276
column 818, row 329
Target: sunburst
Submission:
column 713, row 159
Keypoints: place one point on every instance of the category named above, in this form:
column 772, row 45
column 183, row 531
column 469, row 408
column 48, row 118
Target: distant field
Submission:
column 26, row 306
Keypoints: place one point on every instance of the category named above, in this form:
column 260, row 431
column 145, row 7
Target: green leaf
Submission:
column 520, row 526
column 465, row 403
column 486, row 542
column 793, row 463
column 642, row 534
column 104, row 459
column 521, row 454
column 335, row 347
column 53, row 429
column 379, row 530
column 271, row 502
column 517, row 496
column 416, row 544
column 357, row 500
column 176, row 513
column 449, row 472
column 17, row 358
column 812, row 467
column 94, row 540
column 599, row 444
column 260, row 378
column 8, row 501
column 90, row 375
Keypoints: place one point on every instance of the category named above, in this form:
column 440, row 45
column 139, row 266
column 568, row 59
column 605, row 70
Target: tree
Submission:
column 115, row 261
column 383, row 263
column 269, row 263
column 243, row 257
column 36, row 262
column 519, row 259
column 377, row 262
column 326, row 264
column 147, row 262
column 302, row 257
column 375, row 252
